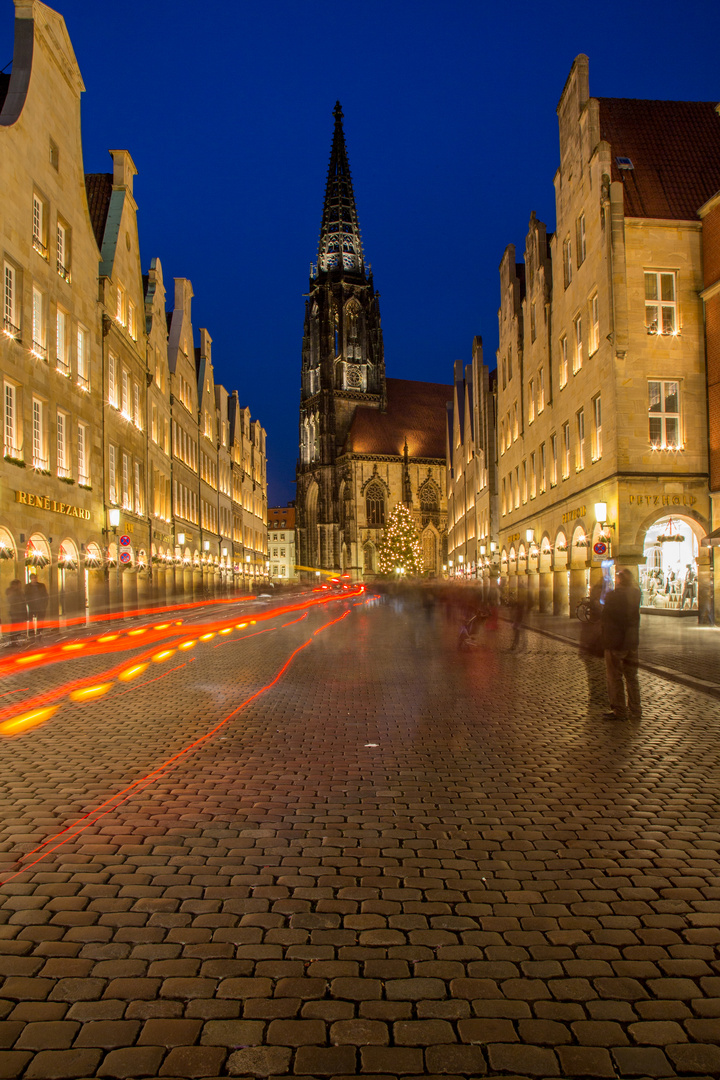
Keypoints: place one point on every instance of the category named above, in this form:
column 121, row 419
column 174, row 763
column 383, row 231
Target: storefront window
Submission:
column 669, row 577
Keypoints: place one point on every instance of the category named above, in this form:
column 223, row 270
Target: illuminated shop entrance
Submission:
column 669, row 578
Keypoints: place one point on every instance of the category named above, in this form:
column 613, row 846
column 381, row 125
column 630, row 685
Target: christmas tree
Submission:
column 399, row 548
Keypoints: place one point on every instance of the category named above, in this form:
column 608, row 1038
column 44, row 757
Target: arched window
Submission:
column 369, row 559
column 375, row 504
column 430, row 503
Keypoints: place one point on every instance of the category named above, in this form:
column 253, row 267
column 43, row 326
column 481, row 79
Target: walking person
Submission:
column 621, row 635
column 591, row 650
column 17, row 609
column 36, row 596
column 519, row 609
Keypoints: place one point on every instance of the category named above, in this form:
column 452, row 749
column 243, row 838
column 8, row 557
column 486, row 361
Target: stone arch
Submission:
column 8, row 550
column 93, row 556
column 311, row 523
column 68, row 558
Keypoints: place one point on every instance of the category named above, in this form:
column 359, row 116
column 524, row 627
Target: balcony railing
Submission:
column 63, row 271
column 40, row 247
column 39, row 350
column 11, row 329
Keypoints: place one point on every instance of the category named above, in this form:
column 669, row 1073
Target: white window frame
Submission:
column 11, row 323
column 62, row 341
column 112, row 474
column 11, row 422
column 541, row 390
column 594, row 337
column 581, row 241
column 664, row 309
column 567, row 261
column 531, row 401
column 563, row 360
column 566, row 450
column 666, row 418
column 113, row 380
column 39, row 221
column 580, row 448
column 62, row 250
column 577, row 343
column 125, row 398
column 83, row 358
column 39, row 336
column 597, row 428
column 553, row 460
column 137, row 488
column 62, row 444
column 137, row 418
column 131, row 320
column 39, row 454
column 83, row 472
column 127, row 504
column 120, row 305
column 543, row 469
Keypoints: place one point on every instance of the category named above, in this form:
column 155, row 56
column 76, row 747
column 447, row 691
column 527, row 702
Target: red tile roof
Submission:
column 674, row 147
column 276, row 514
column 99, row 190
column 416, row 411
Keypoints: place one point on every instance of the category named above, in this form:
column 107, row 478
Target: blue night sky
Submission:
column 451, row 132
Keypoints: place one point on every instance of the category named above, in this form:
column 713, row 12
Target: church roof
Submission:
column 669, row 152
column 340, row 246
column 416, row 412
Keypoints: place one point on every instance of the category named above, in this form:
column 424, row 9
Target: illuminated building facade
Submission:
column 127, row 476
column 601, row 395
column 366, row 442
column 281, row 543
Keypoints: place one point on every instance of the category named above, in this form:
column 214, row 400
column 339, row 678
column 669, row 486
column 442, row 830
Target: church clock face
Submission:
column 354, row 377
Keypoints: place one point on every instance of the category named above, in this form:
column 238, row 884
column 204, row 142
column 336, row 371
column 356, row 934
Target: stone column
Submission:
column 560, row 590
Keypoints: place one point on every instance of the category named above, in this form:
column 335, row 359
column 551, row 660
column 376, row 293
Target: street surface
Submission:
column 327, row 843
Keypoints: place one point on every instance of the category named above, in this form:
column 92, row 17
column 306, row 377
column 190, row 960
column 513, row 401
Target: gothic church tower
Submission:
column 342, row 364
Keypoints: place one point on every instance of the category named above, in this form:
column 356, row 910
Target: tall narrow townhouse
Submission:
column 254, row 496
column 124, row 355
column 241, row 559
column 188, row 569
column 159, row 460
column 484, row 406
column 710, row 217
column 231, row 578
column 627, row 426
column 215, row 564
column 50, row 356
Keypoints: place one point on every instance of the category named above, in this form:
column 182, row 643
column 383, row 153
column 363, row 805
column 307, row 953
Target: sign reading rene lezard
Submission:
column 44, row 502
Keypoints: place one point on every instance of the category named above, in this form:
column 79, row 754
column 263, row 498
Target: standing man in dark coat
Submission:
column 621, row 633
column 17, row 609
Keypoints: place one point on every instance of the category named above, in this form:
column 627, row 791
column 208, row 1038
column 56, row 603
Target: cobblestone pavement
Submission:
column 398, row 860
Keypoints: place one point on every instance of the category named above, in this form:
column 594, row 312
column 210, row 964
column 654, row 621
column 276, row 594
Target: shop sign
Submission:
column 662, row 500
column 513, row 539
column 572, row 515
column 44, row 502
column 129, row 527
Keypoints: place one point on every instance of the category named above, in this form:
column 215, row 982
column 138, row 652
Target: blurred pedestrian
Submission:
column 519, row 608
column 17, row 609
column 591, row 649
column 36, row 596
column 621, row 635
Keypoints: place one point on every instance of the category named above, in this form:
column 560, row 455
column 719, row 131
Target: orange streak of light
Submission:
column 164, row 655
column 28, row 720
column 132, row 672
column 89, row 692
column 187, row 644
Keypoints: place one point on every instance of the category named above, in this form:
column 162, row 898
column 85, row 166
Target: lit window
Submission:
column 120, row 305
column 62, row 342
column 594, row 341
column 563, row 360
column 516, row 423
column 517, row 486
column 11, row 322
column 553, row 460
column 581, row 246
column 531, row 401
column 137, row 489
column 82, row 446
column 62, row 446
column 126, row 500
column 660, row 303
column 39, row 456
column 541, row 390
column 543, row 475
column 137, row 418
column 566, row 451
column 112, row 381
column 11, row 423
column 580, row 448
column 597, row 429
column 664, row 414
column 578, row 345
column 83, row 359
column 524, row 482
column 63, row 251
column 567, row 261
column 125, row 409
column 39, row 222
column 39, row 347
column 375, row 505
column 131, row 320
column 112, row 473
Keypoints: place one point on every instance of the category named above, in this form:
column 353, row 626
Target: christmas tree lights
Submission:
column 400, row 548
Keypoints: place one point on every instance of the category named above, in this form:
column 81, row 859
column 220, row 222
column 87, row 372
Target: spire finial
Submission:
column 340, row 247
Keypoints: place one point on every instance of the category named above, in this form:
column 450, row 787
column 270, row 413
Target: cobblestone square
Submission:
column 396, row 860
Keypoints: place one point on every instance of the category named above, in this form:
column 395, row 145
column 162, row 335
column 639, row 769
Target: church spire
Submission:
column 340, row 246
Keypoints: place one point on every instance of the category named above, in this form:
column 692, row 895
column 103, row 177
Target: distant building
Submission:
column 601, row 397
column 366, row 442
column 281, row 543
column 472, row 470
